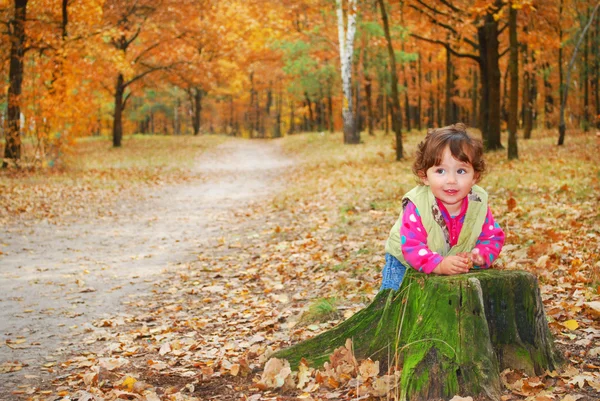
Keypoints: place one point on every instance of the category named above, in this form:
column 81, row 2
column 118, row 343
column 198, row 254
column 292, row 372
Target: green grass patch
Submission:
column 320, row 310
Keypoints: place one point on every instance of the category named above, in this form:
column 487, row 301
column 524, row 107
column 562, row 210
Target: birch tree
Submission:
column 562, row 126
column 346, row 41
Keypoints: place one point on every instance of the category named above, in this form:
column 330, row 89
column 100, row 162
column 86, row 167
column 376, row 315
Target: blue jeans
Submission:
column 393, row 273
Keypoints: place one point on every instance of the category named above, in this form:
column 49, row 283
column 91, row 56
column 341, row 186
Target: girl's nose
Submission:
column 452, row 178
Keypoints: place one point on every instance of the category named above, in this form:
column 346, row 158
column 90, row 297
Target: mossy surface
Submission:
column 449, row 334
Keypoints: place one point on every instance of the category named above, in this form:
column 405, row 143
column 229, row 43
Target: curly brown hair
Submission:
column 462, row 146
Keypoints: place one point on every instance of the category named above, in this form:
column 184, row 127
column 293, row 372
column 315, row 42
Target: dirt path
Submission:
column 56, row 280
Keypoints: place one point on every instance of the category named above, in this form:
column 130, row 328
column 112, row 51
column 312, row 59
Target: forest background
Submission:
column 154, row 78
column 264, row 69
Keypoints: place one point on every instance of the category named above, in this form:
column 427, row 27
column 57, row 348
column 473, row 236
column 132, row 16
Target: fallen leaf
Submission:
column 8, row 367
column 594, row 307
column 571, row 324
column 275, row 372
column 368, row 369
column 128, row 383
column 112, row 363
column 384, row 384
column 304, row 374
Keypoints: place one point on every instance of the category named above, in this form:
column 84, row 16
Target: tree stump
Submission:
column 449, row 335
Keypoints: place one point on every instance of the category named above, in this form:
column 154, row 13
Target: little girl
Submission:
column 446, row 226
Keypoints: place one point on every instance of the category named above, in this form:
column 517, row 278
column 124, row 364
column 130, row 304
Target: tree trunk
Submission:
column 346, row 48
column 311, row 117
column 395, row 110
column 368, row 97
column 596, row 80
column 513, row 109
column 406, row 101
column 330, row 110
column 492, row 139
column 292, row 129
column 561, row 89
column 484, row 109
column 471, row 328
column 563, row 99
column 197, row 110
column 585, row 124
column 475, row 100
column 449, row 88
column 419, row 111
column 12, row 147
column 529, row 101
column 118, row 114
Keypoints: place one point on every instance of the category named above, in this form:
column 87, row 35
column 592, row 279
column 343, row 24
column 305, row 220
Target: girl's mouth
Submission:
column 451, row 191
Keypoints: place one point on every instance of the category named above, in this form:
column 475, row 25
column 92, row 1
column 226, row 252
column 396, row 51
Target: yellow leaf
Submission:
column 571, row 324
column 128, row 383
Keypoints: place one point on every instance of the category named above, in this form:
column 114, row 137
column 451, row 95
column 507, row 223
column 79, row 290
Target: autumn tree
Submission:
column 346, row 34
column 565, row 92
column 459, row 30
column 12, row 125
column 513, row 113
column 395, row 100
column 144, row 43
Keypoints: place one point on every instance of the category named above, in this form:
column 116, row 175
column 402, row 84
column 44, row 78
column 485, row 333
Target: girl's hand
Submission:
column 477, row 259
column 451, row 265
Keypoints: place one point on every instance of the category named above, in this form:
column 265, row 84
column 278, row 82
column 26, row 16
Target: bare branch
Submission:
column 447, row 46
column 451, row 6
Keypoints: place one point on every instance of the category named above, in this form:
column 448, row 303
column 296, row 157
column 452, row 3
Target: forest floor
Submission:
column 150, row 277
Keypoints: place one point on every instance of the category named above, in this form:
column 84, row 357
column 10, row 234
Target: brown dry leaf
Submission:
column 8, row 367
column 275, row 373
column 571, row 397
column 593, row 307
column 164, row 349
column 304, row 374
column 595, row 384
column 343, row 361
column 112, row 363
column 151, row 396
column 91, row 378
column 368, row 369
column 459, row 398
column 383, row 385
column 511, row 204
column 234, row 369
column 579, row 380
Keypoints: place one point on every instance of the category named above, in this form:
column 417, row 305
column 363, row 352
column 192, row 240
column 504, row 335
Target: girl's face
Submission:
column 450, row 181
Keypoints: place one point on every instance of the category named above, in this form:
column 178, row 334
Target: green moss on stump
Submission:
column 449, row 334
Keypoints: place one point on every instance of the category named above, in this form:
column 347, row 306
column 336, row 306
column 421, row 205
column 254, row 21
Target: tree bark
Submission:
column 419, row 111
column 561, row 89
column 197, row 110
column 563, row 99
column 585, row 124
column 492, row 139
column 12, row 129
column 395, row 110
column 448, row 334
column 474, row 99
column 118, row 113
column 596, row 80
column 513, row 109
column 346, row 47
column 449, row 89
column 529, row 95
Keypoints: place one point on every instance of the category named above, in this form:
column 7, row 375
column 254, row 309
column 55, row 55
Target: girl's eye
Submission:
column 440, row 171
column 462, row 171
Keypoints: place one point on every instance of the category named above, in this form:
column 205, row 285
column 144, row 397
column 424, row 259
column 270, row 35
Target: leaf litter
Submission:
column 207, row 330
